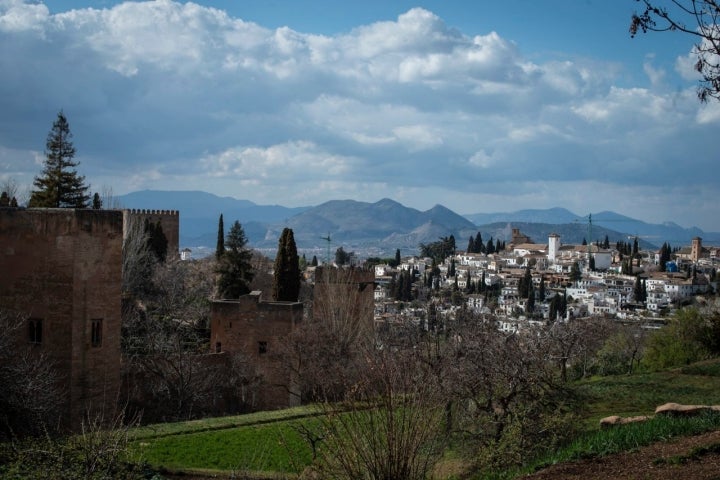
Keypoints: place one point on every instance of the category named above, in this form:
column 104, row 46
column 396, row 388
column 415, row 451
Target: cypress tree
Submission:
column 286, row 275
column 479, row 245
column 220, row 247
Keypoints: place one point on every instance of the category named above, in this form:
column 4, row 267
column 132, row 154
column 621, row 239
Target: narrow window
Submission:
column 262, row 347
column 35, row 330
column 96, row 332
column 218, row 347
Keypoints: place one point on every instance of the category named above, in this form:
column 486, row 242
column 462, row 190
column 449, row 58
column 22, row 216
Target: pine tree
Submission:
column 234, row 268
column 220, row 246
column 59, row 185
column 286, row 275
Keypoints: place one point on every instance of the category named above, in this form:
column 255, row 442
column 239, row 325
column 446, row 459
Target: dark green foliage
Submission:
column 530, row 305
column 96, row 202
column 575, row 273
column 525, row 284
column 401, row 288
column 439, row 250
column 220, row 247
column 689, row 336
column 4, row 199
column 59, row 185
column 664, row 256
column 398, row 259
column 286, row 275
column 234, row 268
column 314, row 261
column 343, row 258
column 591, row 263
column 156, row 240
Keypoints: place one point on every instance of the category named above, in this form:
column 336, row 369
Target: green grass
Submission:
column 268, row 447
column 267, row 441
column 639, row 394
column 221, row 423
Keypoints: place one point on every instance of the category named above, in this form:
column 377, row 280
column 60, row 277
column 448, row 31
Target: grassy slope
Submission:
column 268, row 441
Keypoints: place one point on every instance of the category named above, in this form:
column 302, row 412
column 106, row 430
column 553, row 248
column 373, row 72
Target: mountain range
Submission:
column 381, row 227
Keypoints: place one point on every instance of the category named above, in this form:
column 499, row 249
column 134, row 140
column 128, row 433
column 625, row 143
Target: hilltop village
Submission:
column 528, row 282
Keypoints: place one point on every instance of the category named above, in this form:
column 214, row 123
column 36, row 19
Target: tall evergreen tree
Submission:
column 59, row 185
column 96, row 202
column 156, row 240
column 314, row 261
column 234, row 268
column 530, row 305
column 490, row 247
column 220, row 246
column 479, row 245
column 286, row 275
column 471, row 245
column 398, row 258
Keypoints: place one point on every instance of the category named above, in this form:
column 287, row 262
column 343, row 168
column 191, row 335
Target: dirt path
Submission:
column 659, row 461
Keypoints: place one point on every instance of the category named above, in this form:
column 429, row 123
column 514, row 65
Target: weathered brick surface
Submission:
column 239, row 326
column 64, row 267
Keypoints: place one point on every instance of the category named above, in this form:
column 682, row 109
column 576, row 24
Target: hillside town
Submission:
column 592, row 280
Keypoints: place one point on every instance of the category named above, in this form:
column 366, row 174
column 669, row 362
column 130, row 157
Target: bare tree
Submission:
column 507, row 401
column 326, row 350
column 389, row 426
column 698, row 18
column 99, row 451
column 30, row 397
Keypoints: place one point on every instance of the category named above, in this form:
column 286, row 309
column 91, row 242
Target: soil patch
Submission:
column 696, row 457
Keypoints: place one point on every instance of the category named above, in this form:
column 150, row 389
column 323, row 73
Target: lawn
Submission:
column 270, row 442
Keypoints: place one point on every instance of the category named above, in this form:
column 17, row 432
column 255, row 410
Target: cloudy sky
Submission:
column 480, row 106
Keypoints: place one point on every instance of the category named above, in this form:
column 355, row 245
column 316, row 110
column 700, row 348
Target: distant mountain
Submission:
column 550, row 215
column 651, row 234
column 199, row 212
column 381, row 227
column 385, row 223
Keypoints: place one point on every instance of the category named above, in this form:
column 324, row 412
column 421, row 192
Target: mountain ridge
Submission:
column 385, row 225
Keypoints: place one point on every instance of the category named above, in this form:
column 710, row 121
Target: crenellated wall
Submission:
column 169, row 220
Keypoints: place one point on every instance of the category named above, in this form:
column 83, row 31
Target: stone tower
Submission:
column 553, row 246
column 696, row 249
column 61, row 269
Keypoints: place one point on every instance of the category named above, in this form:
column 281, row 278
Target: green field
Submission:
column 269, row 443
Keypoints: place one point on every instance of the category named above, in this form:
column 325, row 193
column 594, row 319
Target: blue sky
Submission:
column 479, row 106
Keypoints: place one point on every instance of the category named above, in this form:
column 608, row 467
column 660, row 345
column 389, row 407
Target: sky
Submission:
column 481, row 106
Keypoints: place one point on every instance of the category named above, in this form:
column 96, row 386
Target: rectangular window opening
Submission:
column 35, row 330
column 96, row 332
column 262, row 347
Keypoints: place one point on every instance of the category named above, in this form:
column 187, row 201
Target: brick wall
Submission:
column 257, row 329
column 63, row 266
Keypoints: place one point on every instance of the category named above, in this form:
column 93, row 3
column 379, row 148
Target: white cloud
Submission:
column 178, row 94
